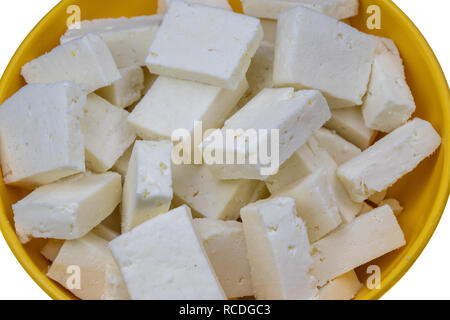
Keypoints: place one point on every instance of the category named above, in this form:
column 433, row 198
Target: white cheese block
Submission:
column 128, row 38
column 107, row 134
column 100, row 277
column 147, row 191
column 187, row 45
column 105, row 233
column 368, row 237
column 377, row 197
column 51, row 249
column 315, row 202
column 350, row 125
column 163, row 259
column 225, row 246
column 67, row 209
column 127, row 90
column 208, row 196
column 381, row 165
column 394, row 204
column 318, row 52
column 278, row 250
column 86, row 60
column 121, row 165
column 339, row 149
column 270, row 31
column 344, row 287
column 40, row 135
column 163, row 4
column 173, row 104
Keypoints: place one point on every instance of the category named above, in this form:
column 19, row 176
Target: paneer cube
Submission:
column 339, row 149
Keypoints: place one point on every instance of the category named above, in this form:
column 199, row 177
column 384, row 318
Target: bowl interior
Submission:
column 423, row 193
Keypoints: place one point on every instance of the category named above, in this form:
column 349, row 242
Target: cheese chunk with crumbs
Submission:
column 51, row 249
column 318, row 52
column 381, row 165
column 86, row 60
column 187, row 45
column 339, row 149
column 278, row 250
column 40, row 135
column 67, row 209
column 99, row 275
column 173, row 104
column 225, row 246
column 163, row 4
column 147, row 191
column 368, row 237
column 152, row 274
column 107, row 134
column 344, row 287
column 127, row 38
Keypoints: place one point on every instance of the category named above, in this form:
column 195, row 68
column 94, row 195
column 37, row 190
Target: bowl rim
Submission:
column 397, row 272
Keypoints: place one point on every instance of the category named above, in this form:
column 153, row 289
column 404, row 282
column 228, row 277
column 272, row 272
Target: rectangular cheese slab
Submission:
column 107, row 134
column 318, row 52
column 128, row 38
column 225, row 246
column 85, row 60
column 278, row 250
column 188, row 46
column 164, row 259
column 40, row 134
column 164, row 4
column 67, row 209
column 344, row 287
column 99, row 275
column 147, row 191
column 368, row 237
column 381, row 165
column 339, row 149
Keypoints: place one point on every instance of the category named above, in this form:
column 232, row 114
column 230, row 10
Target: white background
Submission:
column 427, row 279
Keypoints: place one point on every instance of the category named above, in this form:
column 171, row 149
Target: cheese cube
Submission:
column 51, row 249
column 152, row 274
column 349, row 124
column 377, row 197
column 107, row 134
column 339, row 149
column 128, row 38
column 344, row 287
column 318, row 52
column 225, row 246
column 173, row 104
column 278, row 250
column 368, row 237
column 187, row 45
column 315, row 203
column 127, row 90
column 208, row 196
column 99, row 275
column 121, row 165
column 394, row 204
column 390, row 158
column 147, row 191
column 40, row 135
column 163, row 4
column 67, row 209
column 105, row 233
column 86, row 60
column 270, row 31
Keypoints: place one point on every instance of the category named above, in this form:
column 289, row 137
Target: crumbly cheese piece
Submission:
column 349, row 124
column 389, row 102
column 315, row 203
column 51, row 249
column 296, row 118
column 187, row 45
column 164, row 259
column 105, row 233
column 318, row 52
column 107, row 134
column 67, row 209
column 368, row 237
column 278, row 250
column 270, row 31
column 344, row 287
column 208, row 196
column 381, row 165
column 225, row 246
column 147, row 191
column 121, row 165
column 339, row 149
column 377, row 197
column 394, row 204
column 127, row 90
column 128, row 38
column 86, row 60
column 163, row 4
column 99, row 275
column 40, row 136
column 173, row 104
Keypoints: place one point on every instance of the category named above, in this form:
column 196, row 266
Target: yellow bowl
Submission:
column 423, row 193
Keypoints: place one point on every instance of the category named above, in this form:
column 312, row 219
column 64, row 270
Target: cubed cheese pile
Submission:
column 92, row 138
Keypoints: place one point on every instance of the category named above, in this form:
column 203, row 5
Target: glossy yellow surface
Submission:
column 423, row 193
